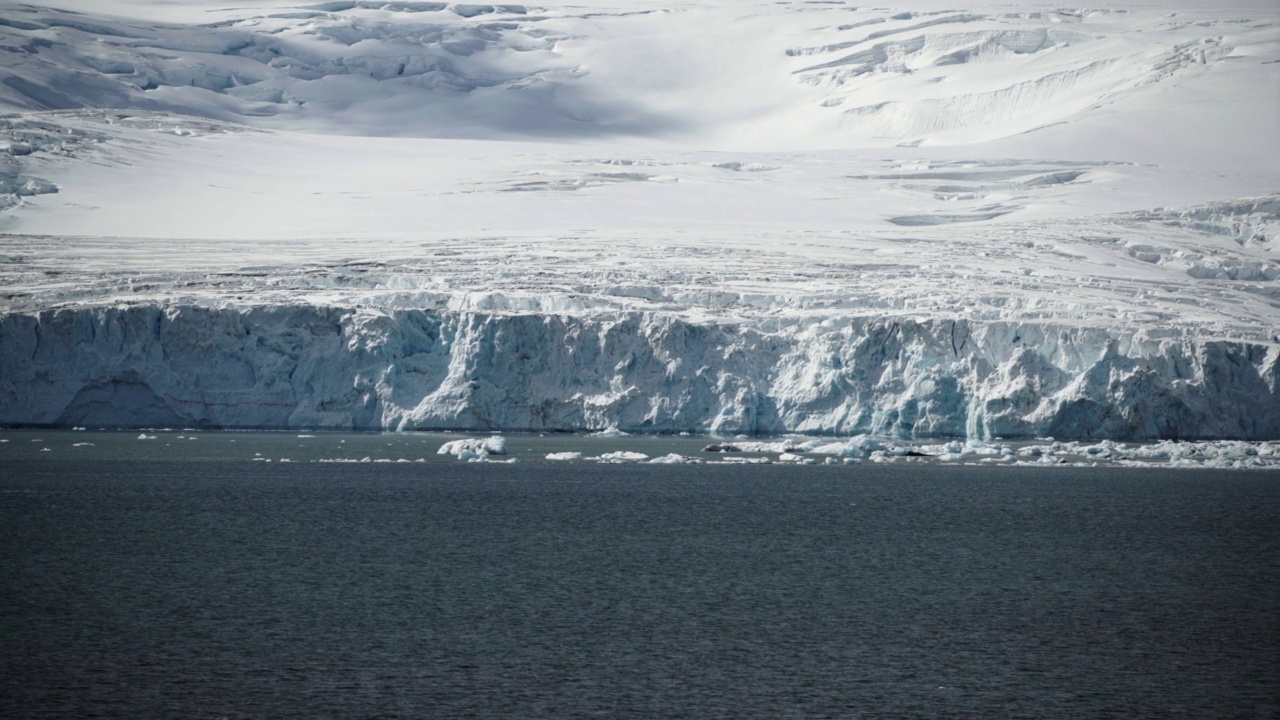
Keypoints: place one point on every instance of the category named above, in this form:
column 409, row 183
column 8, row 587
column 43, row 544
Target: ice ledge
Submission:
column 339, row 367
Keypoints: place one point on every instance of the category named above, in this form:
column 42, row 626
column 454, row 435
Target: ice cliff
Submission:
column 313, row 366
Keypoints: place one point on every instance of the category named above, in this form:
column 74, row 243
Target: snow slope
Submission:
column 732, row 217
column 714, row 74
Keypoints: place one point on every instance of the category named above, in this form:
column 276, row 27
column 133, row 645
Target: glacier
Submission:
column 635, row 217
column 308, row 366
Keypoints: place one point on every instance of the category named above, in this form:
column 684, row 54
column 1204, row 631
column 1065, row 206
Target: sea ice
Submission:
column 674, row 459
column 474, row 448
column 622, row 456
column 611, row 431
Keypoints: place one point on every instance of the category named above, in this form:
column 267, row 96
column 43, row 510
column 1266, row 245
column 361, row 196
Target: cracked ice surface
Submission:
column 1165, row 274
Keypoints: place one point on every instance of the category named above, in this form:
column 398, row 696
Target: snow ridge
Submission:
column 330, row 367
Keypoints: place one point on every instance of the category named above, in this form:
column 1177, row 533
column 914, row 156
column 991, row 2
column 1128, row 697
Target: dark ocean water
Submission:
column 204, row 588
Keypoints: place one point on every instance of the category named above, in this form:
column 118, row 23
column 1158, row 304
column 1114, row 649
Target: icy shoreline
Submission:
column 307, row 366
column 433, row 448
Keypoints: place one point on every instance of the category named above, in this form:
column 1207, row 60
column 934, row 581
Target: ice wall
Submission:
column 334, row 367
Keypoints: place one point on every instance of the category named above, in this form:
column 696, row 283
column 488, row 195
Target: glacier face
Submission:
column 318, row 366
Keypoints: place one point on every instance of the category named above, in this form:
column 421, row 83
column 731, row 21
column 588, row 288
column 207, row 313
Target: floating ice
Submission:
column 735, row 460
column 674, row 459
column 860, row 446
column 611, row 431
column 474, row 448
column 495, row 445
column 622, row 456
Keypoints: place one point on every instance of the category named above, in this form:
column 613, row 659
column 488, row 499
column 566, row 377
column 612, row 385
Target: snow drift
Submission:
column 327, row 367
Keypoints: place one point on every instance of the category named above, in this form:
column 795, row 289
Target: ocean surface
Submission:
column 176, row 578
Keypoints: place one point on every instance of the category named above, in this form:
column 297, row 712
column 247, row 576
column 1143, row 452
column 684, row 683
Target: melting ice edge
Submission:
column 310, row 366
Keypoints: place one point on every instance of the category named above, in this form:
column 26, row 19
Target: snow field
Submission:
column 817, row 75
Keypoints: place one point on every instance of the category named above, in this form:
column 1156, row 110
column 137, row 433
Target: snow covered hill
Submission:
column 712, row 216
column 744, row 75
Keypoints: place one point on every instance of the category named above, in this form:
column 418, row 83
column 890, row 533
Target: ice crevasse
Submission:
column 311, row 366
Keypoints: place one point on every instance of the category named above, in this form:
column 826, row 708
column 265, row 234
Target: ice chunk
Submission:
column 859, row 446
column 674, row 459
column 611, row 431
column 474, row 448
column 623, row 456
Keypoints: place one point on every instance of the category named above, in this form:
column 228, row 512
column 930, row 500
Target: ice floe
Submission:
column 622, row 456
column 674, row 459
column 477, row 449
column 1223, row 454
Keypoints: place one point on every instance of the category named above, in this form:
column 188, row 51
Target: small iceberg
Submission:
column 474, row 448
column 622, row 456
column 611, row 431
